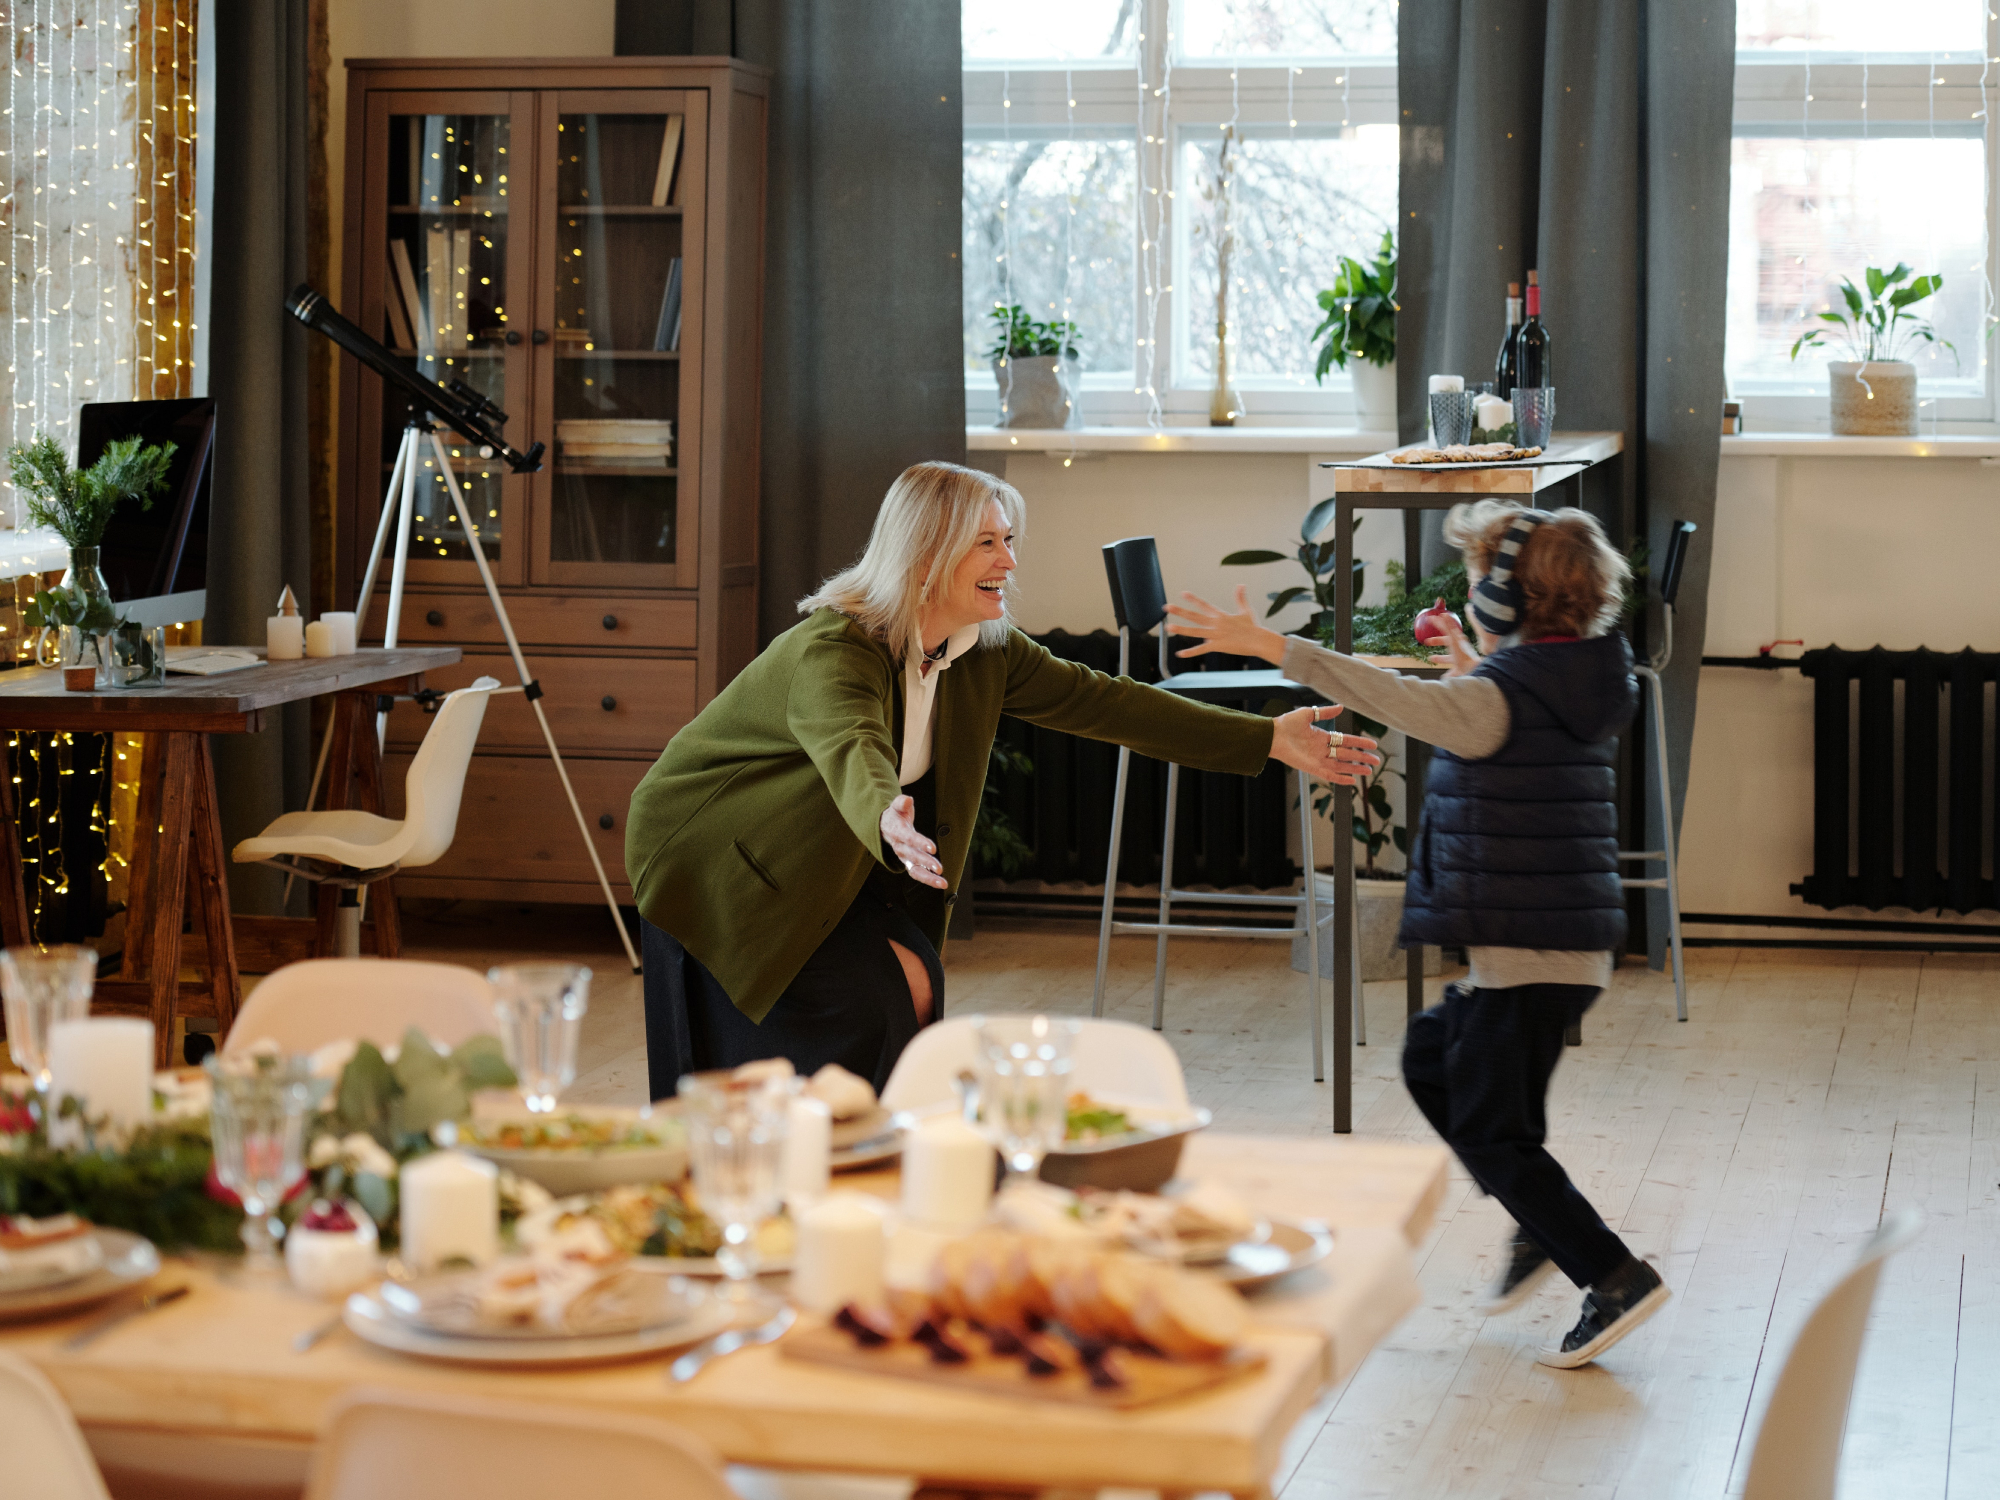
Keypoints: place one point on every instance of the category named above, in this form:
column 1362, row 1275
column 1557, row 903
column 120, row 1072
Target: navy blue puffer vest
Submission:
column 1520, row 849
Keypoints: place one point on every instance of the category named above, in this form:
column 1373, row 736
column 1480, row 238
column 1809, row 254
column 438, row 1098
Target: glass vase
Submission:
column 77, row 646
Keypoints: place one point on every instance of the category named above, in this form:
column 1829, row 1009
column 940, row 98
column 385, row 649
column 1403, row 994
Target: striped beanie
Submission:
column 1496, row 603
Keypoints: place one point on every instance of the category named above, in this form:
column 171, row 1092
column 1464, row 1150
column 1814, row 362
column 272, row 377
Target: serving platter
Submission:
column 565, row 1170
column 536, row 1226
column 369, row 1320
column 128, row 1261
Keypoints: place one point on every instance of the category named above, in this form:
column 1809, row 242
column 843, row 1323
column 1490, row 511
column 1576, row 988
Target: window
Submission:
column 1112, row 145
column 1849, row 155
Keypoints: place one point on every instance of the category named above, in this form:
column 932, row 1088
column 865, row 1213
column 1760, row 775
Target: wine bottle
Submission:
column 1503, row 367
column 1532, row 365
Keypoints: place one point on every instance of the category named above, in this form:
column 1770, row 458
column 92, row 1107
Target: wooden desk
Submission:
column 1377, row 483
column 219, row 1364
column 177, row 797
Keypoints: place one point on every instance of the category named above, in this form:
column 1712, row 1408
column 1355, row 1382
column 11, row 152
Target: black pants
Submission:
column 1479, row 1066
column 850, row 1004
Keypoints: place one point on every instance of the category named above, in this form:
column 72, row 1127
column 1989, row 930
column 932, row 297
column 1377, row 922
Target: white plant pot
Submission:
column 1038, row 391
column 1374, row 395
column 1877, row 399
column 1379, row 904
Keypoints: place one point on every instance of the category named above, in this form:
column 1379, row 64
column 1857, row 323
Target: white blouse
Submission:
column 920, row 680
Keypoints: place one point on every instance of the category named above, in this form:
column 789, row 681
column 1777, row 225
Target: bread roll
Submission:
column 1188, row 1316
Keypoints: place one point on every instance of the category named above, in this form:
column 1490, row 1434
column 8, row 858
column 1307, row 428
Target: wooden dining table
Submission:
column 219, row 1364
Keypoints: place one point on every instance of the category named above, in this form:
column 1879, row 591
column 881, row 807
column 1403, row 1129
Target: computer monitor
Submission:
column 156, row 560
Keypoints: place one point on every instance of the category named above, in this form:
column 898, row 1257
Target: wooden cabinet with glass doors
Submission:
column 580, row 241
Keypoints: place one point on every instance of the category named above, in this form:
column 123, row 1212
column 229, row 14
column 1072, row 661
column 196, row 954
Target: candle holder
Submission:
column 256, row 1124
column 1534, row 415
column 736, row 1147
column 540, row 1008
column 1024, row 1073
column 42, row 986
column 1451, row 416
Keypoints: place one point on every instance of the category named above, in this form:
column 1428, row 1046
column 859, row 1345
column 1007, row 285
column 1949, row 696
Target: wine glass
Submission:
column 256, row 1126
column 41, row 987
column 1024, row 1068
column 540, row 1008
column 736, row 1147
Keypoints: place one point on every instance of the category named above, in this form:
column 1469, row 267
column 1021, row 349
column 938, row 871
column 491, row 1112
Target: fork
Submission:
column 690, row 1364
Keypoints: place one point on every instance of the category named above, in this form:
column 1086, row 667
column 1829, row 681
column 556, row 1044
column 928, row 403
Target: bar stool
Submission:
column 1649, row 674
column 1139, row 600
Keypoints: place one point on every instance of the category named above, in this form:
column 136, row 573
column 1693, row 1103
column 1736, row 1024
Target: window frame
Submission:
column 1010, row 100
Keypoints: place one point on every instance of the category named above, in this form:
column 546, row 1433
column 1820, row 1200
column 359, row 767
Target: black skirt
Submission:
column 850, row 1004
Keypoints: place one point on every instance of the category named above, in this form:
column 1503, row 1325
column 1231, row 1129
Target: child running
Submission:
column 1516, row 862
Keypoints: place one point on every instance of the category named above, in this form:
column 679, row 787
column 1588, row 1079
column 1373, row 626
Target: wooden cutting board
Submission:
column 1150, row 1380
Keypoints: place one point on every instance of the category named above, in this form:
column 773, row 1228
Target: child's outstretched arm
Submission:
column 1465, row 715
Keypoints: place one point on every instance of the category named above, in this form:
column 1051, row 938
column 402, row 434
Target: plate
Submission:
column 581, row 1169
column 868, row 1126
column 1290, row 1245
column 880, row 1141
column 534, row 1226
column 1216, row 1249
column 368, row 1320
column 128, row 1261
column 642, row 1296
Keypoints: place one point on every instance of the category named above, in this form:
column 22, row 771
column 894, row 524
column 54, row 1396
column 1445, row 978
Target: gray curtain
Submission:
column 258, row 535
column 863, row 374
column 1591, row 141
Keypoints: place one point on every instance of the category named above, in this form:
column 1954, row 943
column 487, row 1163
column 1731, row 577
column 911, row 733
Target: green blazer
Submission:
column 758, row 825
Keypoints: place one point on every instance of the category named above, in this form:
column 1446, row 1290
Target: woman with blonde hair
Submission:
column 795, row 849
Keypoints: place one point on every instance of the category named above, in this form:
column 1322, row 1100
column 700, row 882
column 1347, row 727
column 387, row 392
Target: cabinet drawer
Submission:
column 539, row 620
column 650, row 700
column 515, row 824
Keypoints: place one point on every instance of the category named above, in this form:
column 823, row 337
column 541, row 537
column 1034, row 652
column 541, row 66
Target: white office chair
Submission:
column 1114, row 1058
column 303, row 1006
column 1797, row 1456
column 349, row 849
column 45, row 1455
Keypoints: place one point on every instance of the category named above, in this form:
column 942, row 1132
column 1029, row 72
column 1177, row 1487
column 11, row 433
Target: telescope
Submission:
column 467, row 412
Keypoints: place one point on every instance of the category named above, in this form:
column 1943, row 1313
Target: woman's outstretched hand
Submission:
column 918, row 854
column 1342, row 759
column 1220, row 630
column 1463, row 657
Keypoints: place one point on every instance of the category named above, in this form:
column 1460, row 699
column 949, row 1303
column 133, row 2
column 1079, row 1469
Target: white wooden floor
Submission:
column 1749, row 1152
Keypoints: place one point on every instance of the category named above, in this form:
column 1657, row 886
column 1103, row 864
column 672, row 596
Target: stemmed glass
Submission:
column 256, row 1125
column 1024, row 1068
column 736, row 1146
column 540, row 1008
column 43, row 986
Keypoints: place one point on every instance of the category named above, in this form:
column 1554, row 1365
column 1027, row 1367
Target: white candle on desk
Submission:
column 285, row 632
column 1493, row 413
column 107, row 1062
column 1443, row 383
column 841, row 1250
column 450, row 1209
column 808, row 1151
column 341, row 623
column 947, row 1173
column 319, row 639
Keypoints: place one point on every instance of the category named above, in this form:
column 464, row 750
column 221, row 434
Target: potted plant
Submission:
column 1873, row 393
column 76, row 504
column 1035, row 366
column 1360, row 324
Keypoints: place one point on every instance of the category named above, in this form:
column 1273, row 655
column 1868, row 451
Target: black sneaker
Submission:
column 1527, row 1264
column 1612, row 1308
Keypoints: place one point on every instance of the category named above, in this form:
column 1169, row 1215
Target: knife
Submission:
column 90, row 1332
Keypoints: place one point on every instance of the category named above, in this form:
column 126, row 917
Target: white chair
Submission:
column 42, row 1451
column 1115, row 1058
column 1797, row 1456
column 305, row 1005
column 349, row 849
column 412, row 1445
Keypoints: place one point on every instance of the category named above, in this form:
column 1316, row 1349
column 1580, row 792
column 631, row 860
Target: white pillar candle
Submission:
column 1440, row 383
column 107, row 1062
column 841, row 1250
column 450, row 1209
column 341, row 623
column 947, row 1173
column 284, row 637
column 808, row 1151
column 319, row 639
column 1493, row 413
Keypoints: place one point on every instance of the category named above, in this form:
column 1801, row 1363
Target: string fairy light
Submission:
column 1153, row 148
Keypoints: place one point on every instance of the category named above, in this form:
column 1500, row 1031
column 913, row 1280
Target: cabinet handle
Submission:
column 607, row 703
column 606, row 822
column 611, row 622
column 434, row 617
column 541, row 336
column 513, row 335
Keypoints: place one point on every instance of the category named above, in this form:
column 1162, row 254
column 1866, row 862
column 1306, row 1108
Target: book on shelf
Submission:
column 401, row 334
column 461, row 288
column 670, row 156
column 656, row 430
column 437, row 289
column 414, row 312
column 649, row 454
column 667, row 331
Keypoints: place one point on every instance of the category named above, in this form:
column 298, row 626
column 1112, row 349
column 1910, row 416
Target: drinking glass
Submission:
column 1534, row 414
column 1451, row 416
column 41, row 987
column 256, row 1123
column 1024, row 1073
column 736, row 1146
column 540, row 1008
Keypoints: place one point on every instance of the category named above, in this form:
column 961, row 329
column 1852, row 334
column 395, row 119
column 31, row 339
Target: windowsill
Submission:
column 1339, row 441
column 1826, row 445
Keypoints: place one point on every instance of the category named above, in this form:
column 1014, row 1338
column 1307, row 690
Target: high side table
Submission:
column 1377, row 483
column 181, row 872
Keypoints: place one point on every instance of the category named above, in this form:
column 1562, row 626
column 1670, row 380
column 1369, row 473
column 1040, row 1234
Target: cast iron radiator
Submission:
column 1876, row 836
column 1231, row 829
